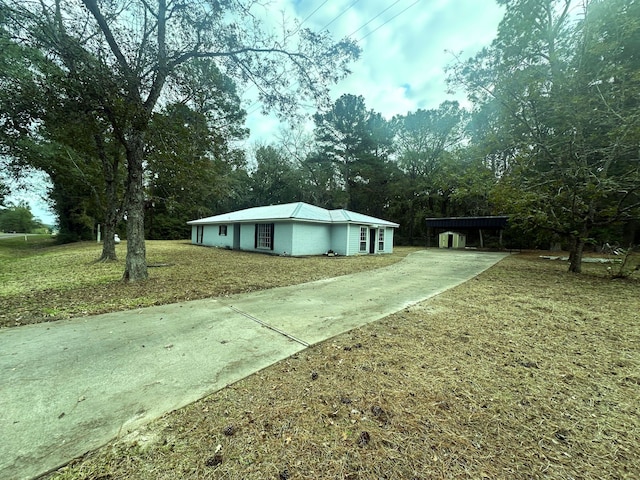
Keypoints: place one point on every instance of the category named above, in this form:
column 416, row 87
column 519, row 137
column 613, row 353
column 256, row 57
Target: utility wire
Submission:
column 312, row 14
column 356, row 31
column 396, row 15
column 340, row 14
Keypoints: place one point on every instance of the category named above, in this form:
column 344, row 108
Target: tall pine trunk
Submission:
column 136, row 263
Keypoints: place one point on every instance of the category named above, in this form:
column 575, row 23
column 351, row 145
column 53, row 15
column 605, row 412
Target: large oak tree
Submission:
column 127, row 54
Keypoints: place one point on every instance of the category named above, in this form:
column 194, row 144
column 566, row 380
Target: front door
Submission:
column 236, row 236
column 372, row 240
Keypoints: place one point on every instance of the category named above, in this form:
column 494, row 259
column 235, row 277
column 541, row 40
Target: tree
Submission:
column 424, row 141
column 275, row 178
column 320, row 185
column 355, row 141
column 128, row 54
column 17, row 219
column 187, row 158
column 45, row 125
column 4, row 191
column 564, row 100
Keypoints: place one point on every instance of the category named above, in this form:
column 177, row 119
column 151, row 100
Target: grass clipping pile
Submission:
column 523, row 372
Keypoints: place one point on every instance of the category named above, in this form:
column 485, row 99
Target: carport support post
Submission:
column 481, row 239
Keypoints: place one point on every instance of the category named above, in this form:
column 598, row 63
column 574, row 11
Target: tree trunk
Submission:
column 110, row 223
column 575, row 255
column 110, row 170
column 136, row 263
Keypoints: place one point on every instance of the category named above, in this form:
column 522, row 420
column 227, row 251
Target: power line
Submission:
column 390, row 6
column 340, row 14
column 396, row 15
column 311, row 14
column 253, row 110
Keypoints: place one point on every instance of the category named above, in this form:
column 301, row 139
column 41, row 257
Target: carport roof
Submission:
column 497, row 222
column 298, row 211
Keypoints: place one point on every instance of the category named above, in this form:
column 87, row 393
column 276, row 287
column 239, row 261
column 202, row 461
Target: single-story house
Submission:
column 295, row 229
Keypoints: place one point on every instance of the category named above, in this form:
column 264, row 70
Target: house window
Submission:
column 381, row 239
column 222, row 230
column 199, row 233
column 264, row 236
column 363, row 239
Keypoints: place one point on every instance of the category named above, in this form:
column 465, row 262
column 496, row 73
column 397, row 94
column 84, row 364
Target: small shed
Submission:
column 469, row 225
column 452, row 240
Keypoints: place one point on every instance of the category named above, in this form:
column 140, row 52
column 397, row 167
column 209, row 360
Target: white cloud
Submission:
column 411, row 49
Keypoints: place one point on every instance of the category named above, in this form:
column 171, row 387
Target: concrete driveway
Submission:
column 71, row 386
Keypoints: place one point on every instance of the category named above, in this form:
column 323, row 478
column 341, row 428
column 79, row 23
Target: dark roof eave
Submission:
column 497, row 221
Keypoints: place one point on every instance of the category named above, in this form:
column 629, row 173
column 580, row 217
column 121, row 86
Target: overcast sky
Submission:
column 406, row 45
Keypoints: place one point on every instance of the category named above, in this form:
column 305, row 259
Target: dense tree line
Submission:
column 558, row 96
column 146, row 132
column 19, row 219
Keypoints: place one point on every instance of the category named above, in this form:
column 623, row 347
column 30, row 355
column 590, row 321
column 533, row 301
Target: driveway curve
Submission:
column 71, row 386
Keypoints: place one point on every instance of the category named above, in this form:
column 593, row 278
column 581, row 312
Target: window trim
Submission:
column 381, row 239
column 264, row 236
column 363, row 240
column 222, row 230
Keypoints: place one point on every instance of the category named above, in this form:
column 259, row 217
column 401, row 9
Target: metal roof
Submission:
column 298, row 211
column 469, row 222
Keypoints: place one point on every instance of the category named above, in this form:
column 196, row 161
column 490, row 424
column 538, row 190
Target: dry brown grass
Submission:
column 524, row 372
column 54, row 282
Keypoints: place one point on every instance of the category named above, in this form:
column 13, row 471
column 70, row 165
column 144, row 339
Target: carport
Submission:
column 435, row 226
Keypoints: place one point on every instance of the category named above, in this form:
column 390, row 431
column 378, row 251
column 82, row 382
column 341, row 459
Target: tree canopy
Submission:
column 559, row 96
column 125, row 57
column 133, row 110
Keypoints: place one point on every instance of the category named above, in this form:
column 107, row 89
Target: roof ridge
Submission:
column 297, row 209
column 345, row 213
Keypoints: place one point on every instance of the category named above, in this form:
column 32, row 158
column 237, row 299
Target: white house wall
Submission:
column 339, row 237
column 354, row 240
column 247, row 236
column 211, row 236
column 388, row 240
column 296, row 238
column 283, row 233
column 281, row 238
column 310, row 238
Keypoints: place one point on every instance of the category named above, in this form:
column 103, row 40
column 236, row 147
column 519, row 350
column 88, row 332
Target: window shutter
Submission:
column 255, row 237
column 272, row 231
